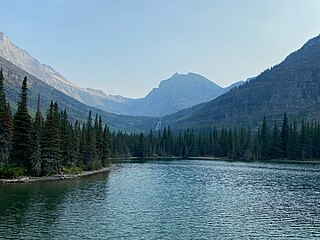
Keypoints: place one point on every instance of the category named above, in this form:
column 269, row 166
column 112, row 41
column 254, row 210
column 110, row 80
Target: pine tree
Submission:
column 305, row 141
column 99, row 138
column 265, row 139
column 21, row 130
column 65, row 131
column 284, row 137
column 294, row 141
column 51, row 141
column 75, row 143
column 105, row 159
column 82, row 148
column 5, row 124
column 275, row 148
column 36, row 142
column 140, row 151
column 91, row 151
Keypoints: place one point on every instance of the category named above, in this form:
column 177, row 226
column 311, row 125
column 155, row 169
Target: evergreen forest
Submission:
column 51, row 144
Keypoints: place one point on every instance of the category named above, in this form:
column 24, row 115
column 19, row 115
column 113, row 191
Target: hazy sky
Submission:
column 128, row 46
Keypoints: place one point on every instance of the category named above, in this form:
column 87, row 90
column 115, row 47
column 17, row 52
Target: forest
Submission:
column 41, row 146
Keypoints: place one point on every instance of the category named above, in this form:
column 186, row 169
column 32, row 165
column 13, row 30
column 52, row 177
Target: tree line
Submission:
column 270, row 141
column 43, row 146
column 52, row 144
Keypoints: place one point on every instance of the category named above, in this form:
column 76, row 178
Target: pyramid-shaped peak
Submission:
column 4, row 37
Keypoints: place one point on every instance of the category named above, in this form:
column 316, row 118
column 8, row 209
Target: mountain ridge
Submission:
column 292, row 86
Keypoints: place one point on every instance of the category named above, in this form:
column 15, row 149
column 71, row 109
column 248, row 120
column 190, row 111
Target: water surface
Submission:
column 169, row 199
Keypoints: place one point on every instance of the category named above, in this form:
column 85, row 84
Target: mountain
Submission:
column 47, row 74
column 293, row 86
column 174, row 94
column 76, row 110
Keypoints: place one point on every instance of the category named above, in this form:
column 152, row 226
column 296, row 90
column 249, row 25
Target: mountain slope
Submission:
column 47, row 74
column 292, row 86
column 77, row 110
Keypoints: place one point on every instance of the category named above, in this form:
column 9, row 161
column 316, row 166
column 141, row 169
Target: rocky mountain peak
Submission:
column 3, row 37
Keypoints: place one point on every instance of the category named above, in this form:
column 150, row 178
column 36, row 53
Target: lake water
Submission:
column 169, row 199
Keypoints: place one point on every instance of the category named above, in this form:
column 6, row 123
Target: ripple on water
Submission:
column 169, row 200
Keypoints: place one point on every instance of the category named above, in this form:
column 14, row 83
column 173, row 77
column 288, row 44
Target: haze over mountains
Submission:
column 13, row 77
column 293, row 86
column 174, row 94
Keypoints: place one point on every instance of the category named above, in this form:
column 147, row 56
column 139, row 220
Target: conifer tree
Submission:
column 21, row 130
column 91, row 151
column 284, row 137
column 265, row 139
column 51, row 141
column 99, row 138
column 305, row 141
column 140, row 151
column 5, row 124
column 36, row 159
column 275, row 149
column 82, row 147
column 75, row 143
column 65, row 131
column 105, row 159
column 294, row 141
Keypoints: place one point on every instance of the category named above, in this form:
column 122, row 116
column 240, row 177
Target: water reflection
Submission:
column 170, row 200
column 32, row 210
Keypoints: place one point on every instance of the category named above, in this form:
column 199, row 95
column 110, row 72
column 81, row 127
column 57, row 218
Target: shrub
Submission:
column 72, row 170
column 11, row 171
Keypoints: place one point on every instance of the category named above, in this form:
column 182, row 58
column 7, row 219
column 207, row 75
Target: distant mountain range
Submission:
column 76, row 110
column 293, row 86
column 174, row 94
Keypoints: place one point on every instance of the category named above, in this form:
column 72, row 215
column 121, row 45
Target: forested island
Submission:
column 42, row 146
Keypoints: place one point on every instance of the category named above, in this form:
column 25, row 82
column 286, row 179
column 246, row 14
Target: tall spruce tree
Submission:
column 21, row 151
column 305, row 141
column 75, row 143
column 105, row 160
column 5, row 124
column 91, row 151
column 99, row 138
column 65, row 132
column 51, row 141
column 284, row 137
column 36, row 142
column 265, row 139
column 140, row 150
column 275, row 149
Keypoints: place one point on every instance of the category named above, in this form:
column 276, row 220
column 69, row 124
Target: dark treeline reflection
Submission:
column 40, row 205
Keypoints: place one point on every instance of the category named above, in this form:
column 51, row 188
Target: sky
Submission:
column 127, row 47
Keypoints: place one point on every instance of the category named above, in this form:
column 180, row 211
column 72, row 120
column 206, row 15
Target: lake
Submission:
column 169, row 199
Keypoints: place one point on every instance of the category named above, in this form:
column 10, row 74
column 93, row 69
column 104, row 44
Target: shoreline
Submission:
column 280, row 160
column 57, row 177
column 225, row 159
column 61, row 177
